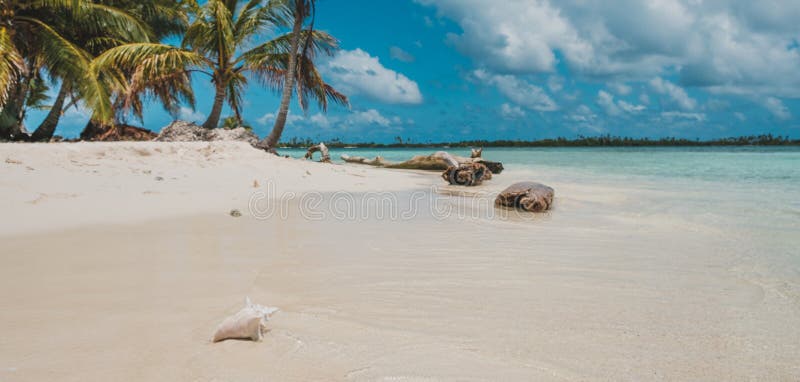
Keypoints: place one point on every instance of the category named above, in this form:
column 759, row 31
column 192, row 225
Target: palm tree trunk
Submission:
column 213, row 118
column 12, row 121
column 274, row 136
column 47, row 128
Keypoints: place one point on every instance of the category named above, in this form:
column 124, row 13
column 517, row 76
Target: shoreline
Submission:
column 129, row 285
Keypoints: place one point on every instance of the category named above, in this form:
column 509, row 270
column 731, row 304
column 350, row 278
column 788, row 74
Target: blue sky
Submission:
column 443, row 70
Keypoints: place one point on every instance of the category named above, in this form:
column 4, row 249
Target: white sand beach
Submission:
column 120, row 259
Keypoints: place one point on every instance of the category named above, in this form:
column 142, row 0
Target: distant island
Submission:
column 579, row 141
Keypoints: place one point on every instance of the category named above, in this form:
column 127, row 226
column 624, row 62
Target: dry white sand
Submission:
column 118, row 260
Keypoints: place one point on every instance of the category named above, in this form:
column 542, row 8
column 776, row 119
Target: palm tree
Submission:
column 300, row 11
column 31, row 41
column 161, row 18
column 216, row 45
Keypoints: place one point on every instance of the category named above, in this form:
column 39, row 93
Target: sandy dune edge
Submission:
column 56, row 186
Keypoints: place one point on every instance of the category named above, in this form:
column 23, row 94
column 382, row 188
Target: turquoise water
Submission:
column 748, row 196
column 774, row 165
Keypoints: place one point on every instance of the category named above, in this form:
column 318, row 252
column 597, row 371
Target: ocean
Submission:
column 748, row 197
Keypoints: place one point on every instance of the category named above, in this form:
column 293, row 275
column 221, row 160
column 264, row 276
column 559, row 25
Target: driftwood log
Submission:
column 528, row 196
column 467, row 174
column 464, row 174
column 433, row 162
column 378, row 161
column 323, row 151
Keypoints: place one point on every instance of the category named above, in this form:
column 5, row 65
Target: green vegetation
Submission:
column 580, row 141
column 108, row 55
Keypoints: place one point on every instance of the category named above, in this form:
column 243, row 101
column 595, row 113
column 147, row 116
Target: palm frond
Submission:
column 11, row 65
column 211, row 34
column 253, row 19
column 101, row 19
column 267, row 54
column 309, row 82
column 236, row 86
column 146, row 70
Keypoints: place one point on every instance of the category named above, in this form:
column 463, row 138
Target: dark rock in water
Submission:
column 182, row 131
column 528, row 196
column 236, row 213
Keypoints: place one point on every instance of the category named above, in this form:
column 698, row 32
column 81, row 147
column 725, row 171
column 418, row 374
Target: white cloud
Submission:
column 673, row 115
column 727, row 46
column 369, row 117
column 356, row 72
column 674, row 92
column 511, row 112
column 401, row 55
column 187, row 114
column 620, row 88
column 77, row 114
column 613, row 108
column 583, row 118
column 518, row 91
column 630, row 108
column 320, row 120
column 555, row 83
column 355, row 118
column 269, row 118
column 777, row 108
column 606, row 101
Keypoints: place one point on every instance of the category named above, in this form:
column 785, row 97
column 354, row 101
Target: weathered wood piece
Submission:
column 467, row 174
column 323, row 150
column 378, row 161
column 528, row 196
column 434, row 162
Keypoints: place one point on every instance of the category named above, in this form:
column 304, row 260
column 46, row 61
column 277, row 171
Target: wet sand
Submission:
column 591, row 291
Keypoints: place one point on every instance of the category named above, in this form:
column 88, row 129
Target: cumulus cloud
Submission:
column 777, row 108
column 269, row 118
column 555, row 83
column 616, row 107
column 606, row 101
column 187, row 114
column 356, row 72
column 401, row 55
column 583, row 118
column 369, row 117
column 674, row 92
column 620, row 88
column 511, row 112
column 517, row 90
column 677, row 115
column 733, row 47
column 320, row 120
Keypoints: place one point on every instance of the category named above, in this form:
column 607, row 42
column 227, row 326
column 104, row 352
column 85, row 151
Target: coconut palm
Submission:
column 31, row 42
column 161, row 18
column 217, row 44
column 301, row 9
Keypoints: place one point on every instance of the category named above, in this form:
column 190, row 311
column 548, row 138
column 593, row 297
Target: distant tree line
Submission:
column 579, row 141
